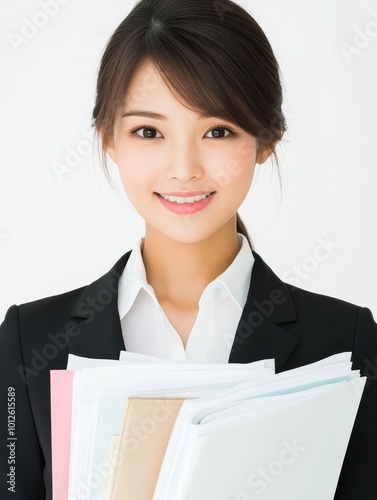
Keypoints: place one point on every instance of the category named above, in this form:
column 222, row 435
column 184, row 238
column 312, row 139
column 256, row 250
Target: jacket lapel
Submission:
column 259, row 335
column 98, row 334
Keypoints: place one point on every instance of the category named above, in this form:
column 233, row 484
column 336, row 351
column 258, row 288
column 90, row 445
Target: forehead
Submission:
column 145, row 83
column 148, row 90
column 146, row 74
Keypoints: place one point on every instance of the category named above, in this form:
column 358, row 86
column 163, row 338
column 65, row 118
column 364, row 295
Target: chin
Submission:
column 184, row 235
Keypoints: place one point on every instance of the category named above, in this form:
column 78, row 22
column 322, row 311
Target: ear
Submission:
column 111, row 152
column 263, row 155
column 264, row 152
column 109, row 149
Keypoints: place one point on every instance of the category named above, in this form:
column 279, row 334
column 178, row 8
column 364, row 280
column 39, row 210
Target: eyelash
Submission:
column 133, row 131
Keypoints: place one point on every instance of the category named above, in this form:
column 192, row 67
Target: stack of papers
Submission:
column 151, row 429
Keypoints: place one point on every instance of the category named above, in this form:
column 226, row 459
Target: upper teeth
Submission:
column 191, row 199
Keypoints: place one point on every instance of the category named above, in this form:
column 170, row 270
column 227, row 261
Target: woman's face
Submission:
column 180, row 154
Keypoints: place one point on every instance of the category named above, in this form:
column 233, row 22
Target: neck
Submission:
column 179, row 272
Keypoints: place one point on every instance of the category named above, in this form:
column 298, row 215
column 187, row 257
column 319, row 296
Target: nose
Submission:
column 184, row 165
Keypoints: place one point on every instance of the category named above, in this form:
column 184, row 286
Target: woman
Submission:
column 188, row 101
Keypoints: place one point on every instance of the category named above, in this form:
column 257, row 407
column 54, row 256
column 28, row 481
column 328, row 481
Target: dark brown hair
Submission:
column 211, row 54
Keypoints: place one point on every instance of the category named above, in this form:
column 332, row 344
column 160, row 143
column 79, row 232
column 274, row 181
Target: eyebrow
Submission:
column 157, row 116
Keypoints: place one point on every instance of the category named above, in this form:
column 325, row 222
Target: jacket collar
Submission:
column 258, row 335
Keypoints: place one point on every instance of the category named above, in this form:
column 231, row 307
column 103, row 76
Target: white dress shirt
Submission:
column 147, row 330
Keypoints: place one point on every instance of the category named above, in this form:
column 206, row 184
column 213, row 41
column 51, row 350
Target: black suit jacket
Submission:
column 280, row 321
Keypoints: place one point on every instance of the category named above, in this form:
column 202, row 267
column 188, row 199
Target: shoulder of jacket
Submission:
column 48, row 304
column 323, row 304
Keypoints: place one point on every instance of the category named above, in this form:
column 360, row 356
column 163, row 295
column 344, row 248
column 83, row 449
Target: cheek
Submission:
column 135, row 181
column 236, row 172
column 134, row 170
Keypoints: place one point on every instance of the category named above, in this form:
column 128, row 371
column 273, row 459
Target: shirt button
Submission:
column 216, row 293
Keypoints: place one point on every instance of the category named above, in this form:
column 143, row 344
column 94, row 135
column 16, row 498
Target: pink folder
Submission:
column 61, row 412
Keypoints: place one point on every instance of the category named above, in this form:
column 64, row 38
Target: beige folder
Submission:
column 146, row 430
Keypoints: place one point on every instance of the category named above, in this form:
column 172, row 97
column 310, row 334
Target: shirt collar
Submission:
column 234, row 281
column 132, row 279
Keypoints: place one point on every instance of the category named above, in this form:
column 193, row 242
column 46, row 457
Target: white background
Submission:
column 59, row 233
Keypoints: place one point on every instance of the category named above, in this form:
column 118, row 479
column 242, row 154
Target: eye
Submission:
column 218, row 128
column 150, row 131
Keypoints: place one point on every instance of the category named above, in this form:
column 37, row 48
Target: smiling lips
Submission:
column 194, row 201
